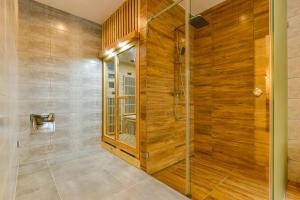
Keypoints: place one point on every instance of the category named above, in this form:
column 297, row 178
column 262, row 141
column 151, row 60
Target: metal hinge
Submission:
column 145, row 155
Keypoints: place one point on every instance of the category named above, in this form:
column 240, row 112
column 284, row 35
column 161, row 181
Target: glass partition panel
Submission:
column 208, row 91
column 230, row 76
column 127, row 97
column 110, row 97
column 165, row 93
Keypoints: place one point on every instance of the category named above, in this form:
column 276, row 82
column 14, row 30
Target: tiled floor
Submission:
column 293, row 192
column 215, row 180
column 90, row 175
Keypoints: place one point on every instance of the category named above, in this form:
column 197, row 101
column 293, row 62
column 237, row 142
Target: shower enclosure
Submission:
column 210, row 75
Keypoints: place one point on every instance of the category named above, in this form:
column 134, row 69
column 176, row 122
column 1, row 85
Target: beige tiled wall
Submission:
column 294, row 89
column 58, row 72
column 8, row 66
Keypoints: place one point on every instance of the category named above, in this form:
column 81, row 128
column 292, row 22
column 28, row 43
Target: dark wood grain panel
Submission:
column 229, row 62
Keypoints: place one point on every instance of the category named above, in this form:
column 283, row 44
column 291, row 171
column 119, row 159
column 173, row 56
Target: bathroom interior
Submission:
column 158, row 99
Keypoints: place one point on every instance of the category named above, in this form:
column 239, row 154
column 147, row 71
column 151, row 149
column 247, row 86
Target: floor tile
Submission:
column 89, row 175
column 38, row 185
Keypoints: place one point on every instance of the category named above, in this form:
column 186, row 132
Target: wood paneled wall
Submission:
column 230, row 60
column 124, row 21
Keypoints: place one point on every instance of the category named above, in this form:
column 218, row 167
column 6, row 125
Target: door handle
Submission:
column 258, row 92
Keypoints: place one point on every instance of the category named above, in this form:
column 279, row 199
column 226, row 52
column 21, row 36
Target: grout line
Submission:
column 52, row 176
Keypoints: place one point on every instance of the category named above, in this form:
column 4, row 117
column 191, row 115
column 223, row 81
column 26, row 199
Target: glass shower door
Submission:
column 121, row 111
column 109, row 101
column 166, row 95
column 230, row 85
column 127, row 98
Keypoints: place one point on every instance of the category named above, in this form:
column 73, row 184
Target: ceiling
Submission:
column 94, row 10
column 99, row 10
column 198, row 6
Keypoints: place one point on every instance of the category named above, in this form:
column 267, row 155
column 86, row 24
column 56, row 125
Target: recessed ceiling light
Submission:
column 108, row 52
column 61, row 27
column 122, row 44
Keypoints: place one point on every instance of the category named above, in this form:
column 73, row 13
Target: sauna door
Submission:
column 121, row 101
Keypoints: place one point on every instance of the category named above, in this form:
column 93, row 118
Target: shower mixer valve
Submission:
column 258, row 92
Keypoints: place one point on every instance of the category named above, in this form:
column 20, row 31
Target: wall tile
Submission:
column 294, row 129
column 8, row 92
column 293, row 109
column 294, row 67
column 294, row 89
column 58, row 72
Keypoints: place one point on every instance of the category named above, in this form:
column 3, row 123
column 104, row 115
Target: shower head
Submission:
column 198, row 21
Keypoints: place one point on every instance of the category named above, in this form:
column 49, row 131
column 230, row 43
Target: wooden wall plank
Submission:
column 231, row 124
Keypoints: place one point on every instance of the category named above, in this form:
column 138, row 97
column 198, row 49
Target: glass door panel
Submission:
column 110, row 98
column 230, row 76
column 127, row 97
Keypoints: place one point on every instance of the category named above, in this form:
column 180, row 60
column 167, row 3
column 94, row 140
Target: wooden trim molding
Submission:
column 129, row 38
column 121, row 154
column 134, row 151
column 124, row 21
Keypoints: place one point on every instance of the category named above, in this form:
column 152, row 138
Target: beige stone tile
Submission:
column 40, row 139
column 75, row 156
column 58, row 72
column 68, row 167
column 31, row 30
column 125, row 173
column 89, row 185
column 293, row 8
column 27, row 107
column 294, row 88
column 293, row 44
column 46, row 150
column 62, row 51
column 36, row 60
column 59, row 147
column 33, row 76
column 107, row 175
column 34, row 44
column 32, row 167
column 293, row 30
column 33, row 154
column 38, row 185
column 294, row 67
column 149, row 190
column 33, row 91
column 89, row 175
column 294, row 109
column 294, row 129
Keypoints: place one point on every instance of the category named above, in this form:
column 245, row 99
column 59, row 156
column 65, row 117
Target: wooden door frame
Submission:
column 114, row 142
